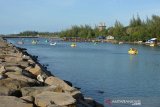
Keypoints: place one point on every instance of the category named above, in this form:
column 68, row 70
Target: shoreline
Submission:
column 26, row 82
column 108, row 41
column 82, row 40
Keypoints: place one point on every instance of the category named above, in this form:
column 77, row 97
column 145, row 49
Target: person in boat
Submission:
column 133, row 49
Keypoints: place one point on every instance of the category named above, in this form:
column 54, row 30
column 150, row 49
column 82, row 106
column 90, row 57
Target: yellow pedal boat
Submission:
column 152, row 45
column 133, row 51
column 73, row 45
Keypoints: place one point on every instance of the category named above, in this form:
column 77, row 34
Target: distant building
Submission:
column 102, row 26
column 109, row 37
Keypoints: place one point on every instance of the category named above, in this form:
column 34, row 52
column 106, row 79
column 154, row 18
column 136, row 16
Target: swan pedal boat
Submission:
column 133, row 51
column 73, row 45
column 53, row 44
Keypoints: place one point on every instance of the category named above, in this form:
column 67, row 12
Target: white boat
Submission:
column 53, row 44
column 34, row 42
column 73, row 45
column 120, row 43
column 152, row 42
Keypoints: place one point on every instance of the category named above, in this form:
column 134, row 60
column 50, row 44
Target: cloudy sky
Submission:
column 56, row 15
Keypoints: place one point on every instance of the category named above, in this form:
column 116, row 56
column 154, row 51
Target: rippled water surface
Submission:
column 103, row 70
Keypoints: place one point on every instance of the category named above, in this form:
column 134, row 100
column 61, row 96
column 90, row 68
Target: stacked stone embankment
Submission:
column 25, row 83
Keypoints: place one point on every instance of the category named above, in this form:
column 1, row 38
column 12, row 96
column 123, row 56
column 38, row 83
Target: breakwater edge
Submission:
column 25, row 82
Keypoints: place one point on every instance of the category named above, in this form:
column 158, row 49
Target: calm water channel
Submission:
column 103, row 70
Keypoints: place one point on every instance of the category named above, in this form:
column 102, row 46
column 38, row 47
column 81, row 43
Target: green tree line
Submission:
column 35, row 33
column 137, row 30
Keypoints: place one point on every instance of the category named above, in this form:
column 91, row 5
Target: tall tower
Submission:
column 102, row 26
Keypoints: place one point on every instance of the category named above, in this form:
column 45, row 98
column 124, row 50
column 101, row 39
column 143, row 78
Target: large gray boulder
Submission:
column 34, row 70
column 29, row 99
column 3, row 44
column 23, row 64
column 18, row 77
column 12, row 87
column 11, row 101
column 5, row 91
column 13, row 53
column 13, row 59
column 8, row 64
column 13, row 69
column 33, row 91
column 2, row 69
column 46, row 99
column 58, row 82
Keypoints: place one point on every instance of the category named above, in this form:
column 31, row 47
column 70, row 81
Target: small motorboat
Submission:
column 73, row 45
column 53, row 44
column 152, row 42
column 133, row 51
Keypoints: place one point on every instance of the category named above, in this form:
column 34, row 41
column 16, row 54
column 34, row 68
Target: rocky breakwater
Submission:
column 25, row 83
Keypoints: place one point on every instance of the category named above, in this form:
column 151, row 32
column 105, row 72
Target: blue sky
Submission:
column 56, row 15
